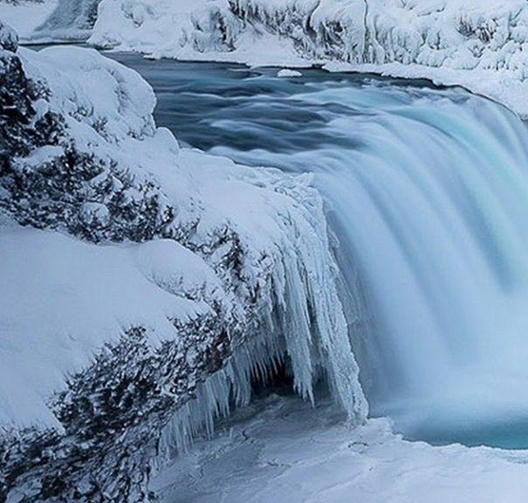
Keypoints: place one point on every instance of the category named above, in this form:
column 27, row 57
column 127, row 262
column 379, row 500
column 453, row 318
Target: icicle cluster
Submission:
column 301, row 319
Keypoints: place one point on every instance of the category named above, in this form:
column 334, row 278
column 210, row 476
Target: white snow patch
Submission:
column 286, row 72
column 26, row 16
column 281, row 450
column 63, row 299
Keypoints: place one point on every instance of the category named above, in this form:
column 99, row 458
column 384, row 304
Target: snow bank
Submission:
column 480, row 45
column 144, row 276
column 187, row 30
column 26, row 16
column 278, row 450
column 64, row 300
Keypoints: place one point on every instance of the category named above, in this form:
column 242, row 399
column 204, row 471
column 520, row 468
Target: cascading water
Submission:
column 427, row 194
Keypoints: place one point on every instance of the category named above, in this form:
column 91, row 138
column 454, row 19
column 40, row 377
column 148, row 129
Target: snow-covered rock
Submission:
column 481, row 45
column 144, row 285
column 26, row 16
column 286, row 73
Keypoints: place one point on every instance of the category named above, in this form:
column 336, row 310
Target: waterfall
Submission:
column 426, row 195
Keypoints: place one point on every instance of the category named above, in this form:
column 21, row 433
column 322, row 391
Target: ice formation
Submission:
column 70, row 20
column 152, row 273
column 278, row 450
column 26, row 15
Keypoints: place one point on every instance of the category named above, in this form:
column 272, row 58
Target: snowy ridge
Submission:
column 196, row 265
column 480, row 45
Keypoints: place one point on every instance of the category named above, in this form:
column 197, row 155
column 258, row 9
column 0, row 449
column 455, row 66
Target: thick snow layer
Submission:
column 187, row 30
column 64, row 299
column 26, row 16
column 280, row 450
column 480, row 45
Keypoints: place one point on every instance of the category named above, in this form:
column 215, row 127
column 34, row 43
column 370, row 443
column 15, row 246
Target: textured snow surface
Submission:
column 281, row 450
column 64, row 299
column 478, row 44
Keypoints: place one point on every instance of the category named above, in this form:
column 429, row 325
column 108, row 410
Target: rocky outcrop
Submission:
column 82, row 157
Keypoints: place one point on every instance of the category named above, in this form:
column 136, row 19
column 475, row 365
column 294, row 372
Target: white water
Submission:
column 427, row 193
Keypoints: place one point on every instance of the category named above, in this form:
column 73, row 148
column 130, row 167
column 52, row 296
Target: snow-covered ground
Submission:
column 480, row 45
column 281, row 450
column 27, row 15
column 55, row 316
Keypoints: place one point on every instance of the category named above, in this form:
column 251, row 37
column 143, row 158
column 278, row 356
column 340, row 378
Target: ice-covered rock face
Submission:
column 70, row 20
column 479, row 44
column 203, row 26
column 8, row 38
column 145, row 285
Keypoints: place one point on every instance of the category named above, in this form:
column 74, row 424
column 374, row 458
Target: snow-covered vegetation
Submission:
column 134, row 273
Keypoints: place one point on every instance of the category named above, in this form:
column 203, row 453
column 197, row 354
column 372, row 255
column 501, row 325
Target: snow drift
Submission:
column 139, row 276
